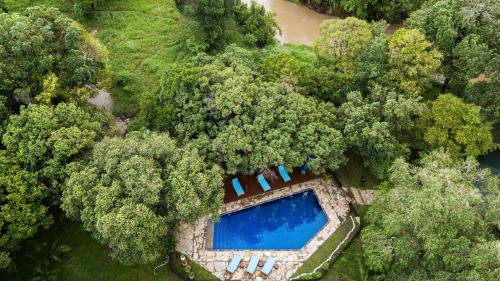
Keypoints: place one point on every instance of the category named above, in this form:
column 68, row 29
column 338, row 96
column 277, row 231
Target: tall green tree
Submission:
column 466, row 33
column 457, row 127
column 379, row 127
column 434, row 222
column 41, row 44
column 134, row 190
column 413, row 61
column 241, row 122
column 22, row 212
column 46, row 139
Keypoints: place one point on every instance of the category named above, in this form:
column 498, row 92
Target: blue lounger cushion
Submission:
column 268, row 266
column 263, row 182
column 233, row 265
column 283, row 173
column 252, row 265
column 237, row 187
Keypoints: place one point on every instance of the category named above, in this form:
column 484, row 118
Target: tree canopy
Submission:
column 135, row 188
column 22, row 212
column 47, row 57
column 466, row 33
column 456, row 126
column 45, row 139
column 434, row 222
column 240, row 121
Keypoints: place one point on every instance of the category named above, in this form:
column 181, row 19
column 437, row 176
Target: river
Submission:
column 298, row 24
column 491, row 161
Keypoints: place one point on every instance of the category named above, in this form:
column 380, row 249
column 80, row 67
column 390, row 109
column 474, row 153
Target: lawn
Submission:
column 87, row 260
column 352, row 173
column 141, row 36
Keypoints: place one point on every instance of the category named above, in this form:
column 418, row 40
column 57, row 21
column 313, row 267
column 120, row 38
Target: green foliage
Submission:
column 368, row 9
column 466, row 33
column 241, row 122
column 258, row 25
column 46, row 139
column 85, row 261
column 412, row 60
column 457, row 127
column 325, row 250
column 350, row 34
column 379, row 127
column 220, row 21
column 432, row 223
column 134, row 189
column 41, row 42
column 22, row 212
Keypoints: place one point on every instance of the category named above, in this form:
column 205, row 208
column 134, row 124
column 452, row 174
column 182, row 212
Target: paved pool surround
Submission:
column 194, row 240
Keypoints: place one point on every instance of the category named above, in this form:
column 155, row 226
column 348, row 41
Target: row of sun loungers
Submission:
column 252, row 265
column 238, row 188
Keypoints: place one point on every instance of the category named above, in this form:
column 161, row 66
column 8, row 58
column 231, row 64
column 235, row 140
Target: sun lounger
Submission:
column 252, row 265
column 283, row 173
column 234, row 264
column 237, row 187
column 263, row 182
column 268, row 266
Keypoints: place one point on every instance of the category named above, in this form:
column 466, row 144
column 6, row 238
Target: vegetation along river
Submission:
column 298, row 24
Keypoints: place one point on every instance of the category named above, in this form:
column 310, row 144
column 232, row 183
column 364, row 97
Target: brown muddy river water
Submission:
column 298, row 24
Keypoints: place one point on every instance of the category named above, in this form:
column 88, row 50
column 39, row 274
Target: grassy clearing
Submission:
column 87, row 260
column 326, row 249
column 141, row 36
column 352, row 173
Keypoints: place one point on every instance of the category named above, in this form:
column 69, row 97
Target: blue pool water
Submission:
column 285, row 223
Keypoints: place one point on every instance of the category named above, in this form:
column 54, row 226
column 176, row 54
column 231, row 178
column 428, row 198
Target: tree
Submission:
column 457, row 127
column 224, row 108
column 379, row 127
column 42, row 44
column 22, row 212
column 256, row 23
column 412, row 60
column 381, row 9
column 3, row 6
column 134, row 190
column 4, row 114
column 466, row 33
column 46, row 139
column 340, row 41
column 431, row 222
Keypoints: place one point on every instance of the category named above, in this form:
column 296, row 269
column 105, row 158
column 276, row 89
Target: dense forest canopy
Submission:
column 417, row 106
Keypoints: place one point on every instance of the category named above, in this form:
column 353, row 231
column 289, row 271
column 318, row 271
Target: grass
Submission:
column 141, row 36
column 350, row 265
column 352, row 173
column 200, row 273
column 326, row 249
column 87, row 260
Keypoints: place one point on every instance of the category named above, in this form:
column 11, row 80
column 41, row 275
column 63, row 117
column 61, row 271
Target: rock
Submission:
column 219, row 266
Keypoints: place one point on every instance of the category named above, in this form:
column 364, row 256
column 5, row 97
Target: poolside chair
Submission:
column 234, row 264
column 237, row 187
column 268, row 266
column 283, row 173
column 263, row 182
column 252, row 265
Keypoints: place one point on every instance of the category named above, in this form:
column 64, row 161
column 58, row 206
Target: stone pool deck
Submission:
column 192, row 238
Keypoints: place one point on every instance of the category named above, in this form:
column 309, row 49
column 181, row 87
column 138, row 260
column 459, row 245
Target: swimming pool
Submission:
column 287, row 223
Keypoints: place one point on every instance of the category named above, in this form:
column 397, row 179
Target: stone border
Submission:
column 192, row 241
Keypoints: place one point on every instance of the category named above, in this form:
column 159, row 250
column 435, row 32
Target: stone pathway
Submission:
column 361, row 196
column 192, row 238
